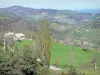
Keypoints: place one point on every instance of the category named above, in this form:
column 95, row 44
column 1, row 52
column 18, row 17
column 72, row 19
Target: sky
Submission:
column 53, row 4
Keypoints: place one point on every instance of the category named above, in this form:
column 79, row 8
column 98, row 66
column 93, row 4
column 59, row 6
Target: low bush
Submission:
column 73, row 71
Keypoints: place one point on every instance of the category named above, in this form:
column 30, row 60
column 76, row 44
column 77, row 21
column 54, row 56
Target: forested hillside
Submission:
column 64, row 24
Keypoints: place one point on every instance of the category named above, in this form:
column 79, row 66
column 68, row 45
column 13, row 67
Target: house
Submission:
column 15, row 36
column 10, row 38
column 19, row 36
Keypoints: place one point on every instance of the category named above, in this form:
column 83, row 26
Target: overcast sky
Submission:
column 53, row 4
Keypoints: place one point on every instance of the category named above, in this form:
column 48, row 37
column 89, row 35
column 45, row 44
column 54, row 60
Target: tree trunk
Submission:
column 95, row 67
column 4, row 43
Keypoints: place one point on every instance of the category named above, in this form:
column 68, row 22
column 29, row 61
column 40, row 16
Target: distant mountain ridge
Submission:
column 63, row 16
column 50, row 14
column 20, row 10
column 92, row 11
column 28, row 10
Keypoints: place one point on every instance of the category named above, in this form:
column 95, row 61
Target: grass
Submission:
column 21, row 44
column 70, row 55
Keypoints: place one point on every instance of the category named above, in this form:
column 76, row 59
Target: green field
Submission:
column 70, row 55
column 21, row 44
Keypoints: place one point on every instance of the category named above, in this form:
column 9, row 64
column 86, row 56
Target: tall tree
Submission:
column 43, row 42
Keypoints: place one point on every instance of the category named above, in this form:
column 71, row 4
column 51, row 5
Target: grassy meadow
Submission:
column 71, row 55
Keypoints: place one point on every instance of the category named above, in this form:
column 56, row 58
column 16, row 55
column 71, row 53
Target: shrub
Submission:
column 72, row 71
column 1, row 43
column 57, row 63
column 63, row 73
column 45, row 71
column 21, row 62
column 85, row 50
